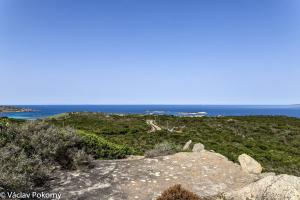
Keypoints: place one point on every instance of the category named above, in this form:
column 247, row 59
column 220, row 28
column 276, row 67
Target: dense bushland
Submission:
column 29, row 152
column 101, row 148
column 273, row 141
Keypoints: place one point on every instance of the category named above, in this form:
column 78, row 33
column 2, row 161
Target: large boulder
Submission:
column 198, row 147
column 249, row 165
column 281, row 187
column 187, row 145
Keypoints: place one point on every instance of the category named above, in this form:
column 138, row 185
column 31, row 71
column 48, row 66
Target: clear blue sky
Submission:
column 150, row 52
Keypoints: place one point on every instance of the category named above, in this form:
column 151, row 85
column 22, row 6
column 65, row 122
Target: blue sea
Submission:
column 42, row 111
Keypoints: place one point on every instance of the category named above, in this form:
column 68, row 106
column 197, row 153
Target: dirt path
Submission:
column 204, row 173
column 154, row 127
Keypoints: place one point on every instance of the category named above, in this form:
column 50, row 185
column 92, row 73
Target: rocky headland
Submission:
column 13, row 109
column 99, row 156
column 207, row 174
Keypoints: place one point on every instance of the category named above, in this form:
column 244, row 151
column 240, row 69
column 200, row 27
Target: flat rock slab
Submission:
column 204, row 173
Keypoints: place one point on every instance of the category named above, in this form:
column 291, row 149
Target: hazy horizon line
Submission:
column 145, row 104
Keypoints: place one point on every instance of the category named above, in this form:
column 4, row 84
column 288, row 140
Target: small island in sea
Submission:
column 14, row 109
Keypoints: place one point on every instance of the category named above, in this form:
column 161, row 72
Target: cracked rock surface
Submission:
column 204, row 173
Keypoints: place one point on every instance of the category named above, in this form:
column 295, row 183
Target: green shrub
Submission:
column 102, row 148
column 18, row 172
column 28, row 153
column 162, row 149
column 82, row 160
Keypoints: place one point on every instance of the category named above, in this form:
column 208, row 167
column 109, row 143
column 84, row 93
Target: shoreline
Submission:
column 14, row 109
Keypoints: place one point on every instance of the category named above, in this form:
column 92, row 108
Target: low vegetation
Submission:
column 101, row 148
column 162, row 149
column 273, row 141
column 30, row 151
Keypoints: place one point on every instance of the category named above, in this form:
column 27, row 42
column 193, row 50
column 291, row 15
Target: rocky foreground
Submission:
column 205, row 173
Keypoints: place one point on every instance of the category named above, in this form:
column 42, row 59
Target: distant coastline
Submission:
column 6, row 109
column 32, row 112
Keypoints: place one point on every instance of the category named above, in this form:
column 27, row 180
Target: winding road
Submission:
column 154, row 127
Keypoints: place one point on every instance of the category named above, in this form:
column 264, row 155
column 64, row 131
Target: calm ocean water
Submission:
column 42, row 111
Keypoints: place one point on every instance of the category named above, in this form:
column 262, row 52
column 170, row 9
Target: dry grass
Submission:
column 177, row 192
